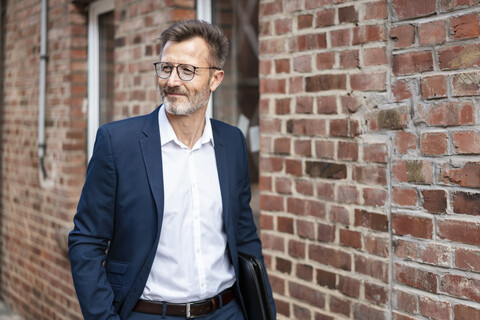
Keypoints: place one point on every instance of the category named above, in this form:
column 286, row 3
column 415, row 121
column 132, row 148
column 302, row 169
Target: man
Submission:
column 165, row 206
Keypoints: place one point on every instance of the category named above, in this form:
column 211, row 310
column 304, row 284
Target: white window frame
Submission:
column 96, row 9
column 204, row 12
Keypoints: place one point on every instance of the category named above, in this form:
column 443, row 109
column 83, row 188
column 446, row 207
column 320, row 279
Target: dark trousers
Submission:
column 231, row 311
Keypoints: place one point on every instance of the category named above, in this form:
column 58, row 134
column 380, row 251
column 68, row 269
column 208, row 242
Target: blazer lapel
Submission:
column 222, row 169
column 152, row 157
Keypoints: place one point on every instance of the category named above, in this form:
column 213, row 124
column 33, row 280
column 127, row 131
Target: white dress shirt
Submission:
column 191, row 262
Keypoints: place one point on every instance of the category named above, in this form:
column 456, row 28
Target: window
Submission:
column 101, row 32
column 236, row 99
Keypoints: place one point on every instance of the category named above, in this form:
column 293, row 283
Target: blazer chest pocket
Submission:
column 115, row 275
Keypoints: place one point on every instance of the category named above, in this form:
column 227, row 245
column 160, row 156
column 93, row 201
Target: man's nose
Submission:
column 174, row 80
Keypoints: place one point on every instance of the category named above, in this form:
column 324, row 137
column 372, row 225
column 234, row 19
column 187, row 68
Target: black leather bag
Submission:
column 253, row 287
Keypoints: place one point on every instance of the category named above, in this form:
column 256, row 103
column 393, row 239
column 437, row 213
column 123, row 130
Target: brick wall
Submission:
column 369, row 158
column 35, row 275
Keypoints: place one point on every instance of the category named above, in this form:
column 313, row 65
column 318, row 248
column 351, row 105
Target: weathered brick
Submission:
column 467, row 259
column 458, row 57
column 310, row 296
column 403, row 35
column 405, row 141
column 463, row 312
column 431, row 33
column 435, row 309
column 435, row 254
column 412, row 62
column 407, row 302
column 347, row 150
column 368, row 81
column 376, row 293
column 466, row 84
column 433, row 87
column 407, row 9
column 326, row 170
column 459, row 231
column 419, row 227
column 460, row 286
column 413, row 171
column 330, row 257
column 349, row 59
column 371, row 220
column 374, row 197
column 433, row 143
column 451, row 114
column 405, row 197
column 348, row 286
column 434, row 201
column 373, row 268
column 467, row 176
column 466, row 203
column 416, row 278
column 465, row 27
column 325, row 82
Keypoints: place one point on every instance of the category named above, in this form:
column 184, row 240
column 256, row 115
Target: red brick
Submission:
column 376, row 175
column 416, row 278
column 418, row 227
column 325, row 60
column 467, row 259
column 376, row 10
column 466, row 84
column 433, row 143
column 271, row 8
column 339, row 215
column 433, row 87
column 273, row 86
column 377, row 245
column 373, row 268
column 405, row 197
column 460, row 286
column 466, row 203
column 325, row 82
column 305, row 187
column 302, row 64
column 407, row 302
column 340, row 306
column 308, row 127
column 374, row 57
column 271, row 203
column 326, row 232
column 431, row 33
column 326, row 105
column 438, row 255
column 459, row 231
column 266, row 222
column 434, row 201
column 451, row 114
column 459, row 57
column 407, row 9
column 374, row 197
column 349, row 286
column 349, row 59
column 347, row 150
column 304, row 272
column 405, row 141
column 285, row 225
column 272, row 46
column 306, row 294
column 406, row 249
column 283, row 185
column 325, row 190
column 304, row 105
column 376, row 293
column 282, row 307
column 325, row 18
column 278, row 284
column 270, row 125
column 282, row 106
column 371, row 220
column 303, row 147
column 305, row 229
column 295, row 85
column 412, row 62
column 347, row 14
column 350, row 238
column 347, row 194
column 326, row 279
column 344, row 128
column 271, row 164
column 467, row 176
column 304, row 21
column 325, row 149
column 464, row 27
column 293, row 167
column 283, row 26
column 435, row 309
column 306, row 42
column 403, row 35
column 282, row 66
column 296, row 249
column 282, row 146
column 413, row 171
column 368, row 33
column 367, row 312
column 368, row 81
column 273, row 242
column 349, row 103
column 301, row 313
column 283, row 265
column 340, row 37
column 330, row 257
column 463, row 312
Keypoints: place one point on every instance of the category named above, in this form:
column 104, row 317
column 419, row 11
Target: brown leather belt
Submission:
column 188, row 310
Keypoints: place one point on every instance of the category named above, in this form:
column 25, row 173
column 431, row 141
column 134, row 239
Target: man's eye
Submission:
column 187, row 70
column 166, row 68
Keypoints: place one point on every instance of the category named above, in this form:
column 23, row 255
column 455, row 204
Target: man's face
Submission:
column 186, row 97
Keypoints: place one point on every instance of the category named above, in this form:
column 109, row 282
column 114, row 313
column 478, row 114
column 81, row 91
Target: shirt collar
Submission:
column 167, row 134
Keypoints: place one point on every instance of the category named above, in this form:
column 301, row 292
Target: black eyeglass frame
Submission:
column 178, row 73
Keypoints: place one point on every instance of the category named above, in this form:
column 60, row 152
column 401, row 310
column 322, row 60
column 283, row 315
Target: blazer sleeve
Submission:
column 248, row 240
column 93, row 227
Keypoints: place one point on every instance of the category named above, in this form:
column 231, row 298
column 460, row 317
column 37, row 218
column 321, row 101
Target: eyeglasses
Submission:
column 186, row 72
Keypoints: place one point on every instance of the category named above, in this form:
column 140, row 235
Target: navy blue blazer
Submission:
column 120, row 213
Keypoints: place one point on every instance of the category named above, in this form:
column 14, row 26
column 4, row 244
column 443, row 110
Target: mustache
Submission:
column 174, row 90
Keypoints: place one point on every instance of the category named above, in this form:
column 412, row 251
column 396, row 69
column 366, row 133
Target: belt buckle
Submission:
column 187, row 313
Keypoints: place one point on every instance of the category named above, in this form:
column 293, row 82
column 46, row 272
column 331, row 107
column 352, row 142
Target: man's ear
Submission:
column 216, row 79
